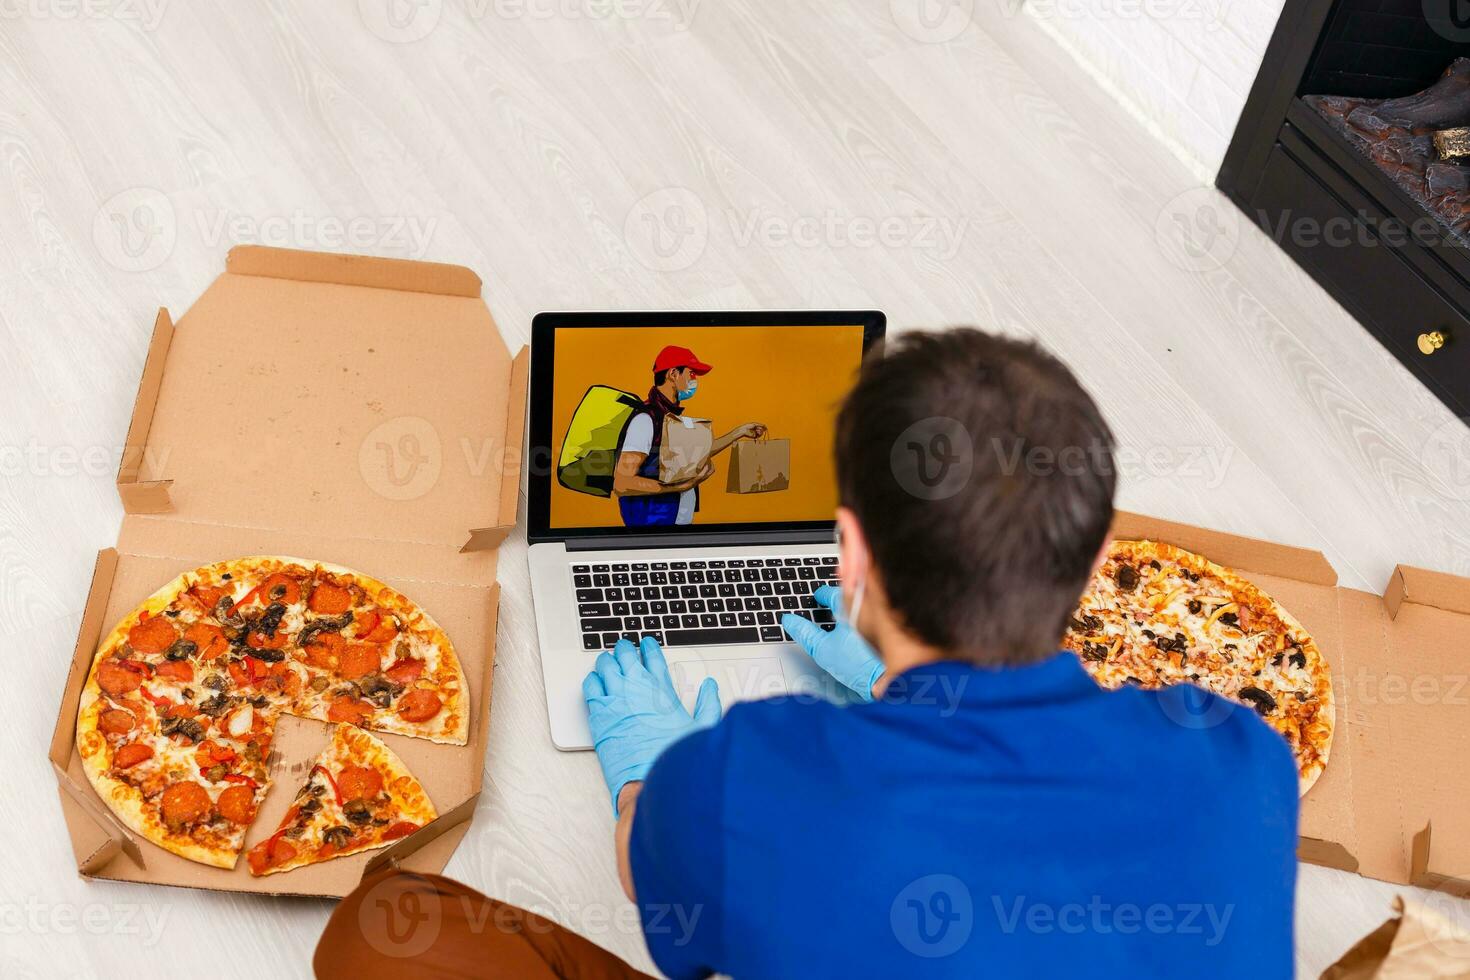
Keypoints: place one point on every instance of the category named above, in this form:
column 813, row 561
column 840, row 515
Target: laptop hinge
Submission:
column 724, row 539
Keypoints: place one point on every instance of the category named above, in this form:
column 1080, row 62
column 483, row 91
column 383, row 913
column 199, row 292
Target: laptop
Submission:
column 682, row 486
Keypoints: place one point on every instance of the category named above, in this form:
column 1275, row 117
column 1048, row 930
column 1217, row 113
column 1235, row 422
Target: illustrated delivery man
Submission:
column 642, row 500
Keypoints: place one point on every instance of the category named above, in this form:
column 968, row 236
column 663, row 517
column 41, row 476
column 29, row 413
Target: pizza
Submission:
column 357, row 796
column 175, row 721
column 1156, row 615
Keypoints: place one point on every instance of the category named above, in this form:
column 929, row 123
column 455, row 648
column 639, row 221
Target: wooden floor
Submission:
column 741, row 154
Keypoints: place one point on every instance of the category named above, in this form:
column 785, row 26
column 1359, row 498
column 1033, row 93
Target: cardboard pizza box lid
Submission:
column 331, row 394
column 406, row 468
column 1388, row 805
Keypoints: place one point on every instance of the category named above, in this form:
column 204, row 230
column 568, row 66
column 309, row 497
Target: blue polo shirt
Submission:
column 973, row 822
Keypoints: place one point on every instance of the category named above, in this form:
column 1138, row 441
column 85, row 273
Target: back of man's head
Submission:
column 982, row 475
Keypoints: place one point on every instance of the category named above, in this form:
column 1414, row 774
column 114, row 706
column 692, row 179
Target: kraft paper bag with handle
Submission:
column 686, row 445
column 1420, row 943
column 759, row 466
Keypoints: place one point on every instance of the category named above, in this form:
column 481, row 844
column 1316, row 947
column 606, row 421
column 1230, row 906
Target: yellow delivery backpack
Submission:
column 589, row 453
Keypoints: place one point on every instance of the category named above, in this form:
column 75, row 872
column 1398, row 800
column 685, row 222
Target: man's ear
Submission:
column 1102, row 555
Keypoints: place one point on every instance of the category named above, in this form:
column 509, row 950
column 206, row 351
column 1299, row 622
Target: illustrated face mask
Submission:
column 684, row 394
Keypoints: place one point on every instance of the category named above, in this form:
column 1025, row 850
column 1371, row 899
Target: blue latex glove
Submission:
column 635, row 713
column 842, row 652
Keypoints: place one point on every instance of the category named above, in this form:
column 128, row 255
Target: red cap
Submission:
column 677, row 357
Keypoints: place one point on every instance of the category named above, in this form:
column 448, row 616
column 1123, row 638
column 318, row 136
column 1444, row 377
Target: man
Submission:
column 984, row 808
column 642, row 500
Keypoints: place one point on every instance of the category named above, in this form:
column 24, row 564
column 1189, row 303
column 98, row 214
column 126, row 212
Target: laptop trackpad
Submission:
column 746, row 679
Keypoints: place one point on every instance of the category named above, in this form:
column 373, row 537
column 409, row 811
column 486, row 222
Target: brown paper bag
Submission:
column 686, row 445
column 1419, row 943
column 760, row 466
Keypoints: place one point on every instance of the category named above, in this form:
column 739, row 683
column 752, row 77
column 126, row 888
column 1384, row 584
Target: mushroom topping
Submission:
column 338, row 836
column 225, row 612
column 316, row 627
column 219, row 704
column 1258, row 699
column 187, row 727
column 379, row 689
column 1127, row 577
column 181, row 649
column 357, row 811
column 1086, row 623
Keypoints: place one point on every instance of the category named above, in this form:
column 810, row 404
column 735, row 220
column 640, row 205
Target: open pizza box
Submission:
column 338, row 408
column 1394, row 800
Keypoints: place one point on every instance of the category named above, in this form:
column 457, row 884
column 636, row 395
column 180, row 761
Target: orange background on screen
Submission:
column 792, row 379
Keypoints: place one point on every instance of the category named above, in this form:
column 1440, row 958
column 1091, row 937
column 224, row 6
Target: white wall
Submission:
column 1184, row 67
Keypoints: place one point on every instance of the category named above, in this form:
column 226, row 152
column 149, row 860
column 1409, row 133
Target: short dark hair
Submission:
column 659, row 377
column 982, row 475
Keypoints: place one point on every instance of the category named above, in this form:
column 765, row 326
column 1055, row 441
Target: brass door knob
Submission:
column 1431, row 342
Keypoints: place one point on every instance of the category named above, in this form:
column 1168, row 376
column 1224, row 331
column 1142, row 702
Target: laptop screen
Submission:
column 667, row 427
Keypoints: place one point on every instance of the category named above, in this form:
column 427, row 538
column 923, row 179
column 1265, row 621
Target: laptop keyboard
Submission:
column 699, row 603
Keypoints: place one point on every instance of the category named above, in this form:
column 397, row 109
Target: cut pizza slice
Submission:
column 358, row 796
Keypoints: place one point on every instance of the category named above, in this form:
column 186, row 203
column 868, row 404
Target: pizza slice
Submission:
column 358, row 796
column 378, row 661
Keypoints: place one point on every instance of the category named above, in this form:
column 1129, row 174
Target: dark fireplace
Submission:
column 1353, row 153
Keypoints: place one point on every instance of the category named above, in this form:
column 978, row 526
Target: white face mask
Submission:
column 850, row 613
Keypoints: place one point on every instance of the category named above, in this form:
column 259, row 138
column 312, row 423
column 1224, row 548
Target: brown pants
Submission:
column 400, row 924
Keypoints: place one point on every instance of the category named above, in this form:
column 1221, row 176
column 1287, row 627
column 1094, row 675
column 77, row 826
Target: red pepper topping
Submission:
column 158, row 702
column 137, row 667
column 235, row 777
column 335, row 789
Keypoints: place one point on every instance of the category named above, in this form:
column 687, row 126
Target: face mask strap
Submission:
column 851, row 614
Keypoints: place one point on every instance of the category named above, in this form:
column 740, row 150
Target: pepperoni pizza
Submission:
column 175, row 721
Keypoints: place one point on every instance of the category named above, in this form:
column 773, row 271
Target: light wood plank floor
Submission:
column 678, row 154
